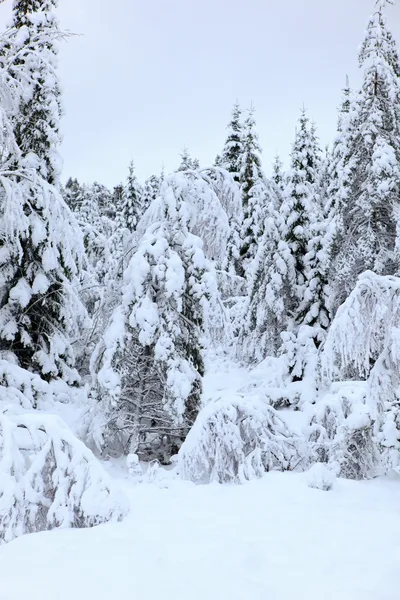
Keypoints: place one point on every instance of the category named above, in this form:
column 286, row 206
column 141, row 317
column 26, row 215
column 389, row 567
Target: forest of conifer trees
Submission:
column 116, row 305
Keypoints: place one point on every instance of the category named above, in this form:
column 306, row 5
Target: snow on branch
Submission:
column 366, row 326
column 50, row 479
column 237, row 441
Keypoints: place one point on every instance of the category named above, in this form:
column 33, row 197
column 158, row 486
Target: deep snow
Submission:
column 272, row 539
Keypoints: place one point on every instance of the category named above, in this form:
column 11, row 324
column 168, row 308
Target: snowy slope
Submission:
column 272, row 539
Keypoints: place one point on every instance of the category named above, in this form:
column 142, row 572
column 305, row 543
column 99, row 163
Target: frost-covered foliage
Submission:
column 49, row 478
column 237, row 441
column 255, row 192
column 187, row 162
column 41, row 247
column 363, row 341
column 131, row 202
column 370, row 165
column 41, row 253
column 342, row 432
column 150, row 361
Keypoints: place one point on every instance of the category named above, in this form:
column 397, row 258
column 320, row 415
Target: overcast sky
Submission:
column 148, row 77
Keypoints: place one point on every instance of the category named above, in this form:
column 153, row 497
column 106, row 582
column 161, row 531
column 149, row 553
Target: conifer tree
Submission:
column 41, row 244
column 36, row 125
column 71, row 193
column 369, row 194
column 301, row 251
column 231, row 157
column 151, row 190
column 154, row 369
column 254, row 192
column 299, row 208
column 277, row 173
column 187, row 162
column 131, row 208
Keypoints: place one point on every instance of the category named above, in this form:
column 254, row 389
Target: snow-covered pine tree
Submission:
column 230, row 159
column 254, row 192
column 232, row 151
column 277, row 173
column 131, row 207
column 151, row 189
column 71, row 193
column 187, row 162
column 41, row 245
column 368, row 229
column 301, row 216
column 36, row 126
column 150, row 359
column 265, row 315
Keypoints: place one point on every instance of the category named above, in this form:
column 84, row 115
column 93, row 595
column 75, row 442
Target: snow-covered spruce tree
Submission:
column 230, row 159
column 151, row 189
column 368, row 232
column 254, row 192
column 232, row 151
column 277, row 174
column 71, row 193
column 41, row 245
column 301, row 216
column 187, row 162
column 131, row 207
column 34, row 50
column 150, row 362
column 264, row 316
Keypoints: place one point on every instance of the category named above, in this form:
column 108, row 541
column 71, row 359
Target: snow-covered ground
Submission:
column 272, row 539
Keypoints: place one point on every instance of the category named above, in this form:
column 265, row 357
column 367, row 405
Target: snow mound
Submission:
column 321, row 477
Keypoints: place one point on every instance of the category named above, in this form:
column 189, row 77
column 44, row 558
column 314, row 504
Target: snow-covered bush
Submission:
column 342, row 432
column 238, row 440
column 49, row 478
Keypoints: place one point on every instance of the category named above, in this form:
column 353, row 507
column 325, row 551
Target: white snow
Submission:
column 271, row 539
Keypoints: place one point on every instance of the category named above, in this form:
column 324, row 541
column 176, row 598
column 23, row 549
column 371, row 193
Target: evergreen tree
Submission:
column 131, row 208
column 254, row 192
column 301, row 251
column 187, row 162
column 231, row 157
column 277, row 173
column 300, row 208
column 151, row 190
column 41, row 244
column 71, row 193
column 154, row 369
column 265, row 316
column 36, row 125
column 367, row 236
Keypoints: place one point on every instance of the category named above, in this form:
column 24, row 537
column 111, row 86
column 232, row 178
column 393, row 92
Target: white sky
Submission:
column 147, row 77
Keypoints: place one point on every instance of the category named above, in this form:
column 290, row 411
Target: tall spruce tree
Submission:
column 231, row 160
column 152, row 354
column 131, row 207
column 36, row 125
column 187, row 162
column 254, row 192
column 369, row 194
column 231, row 157
column 41, row 243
